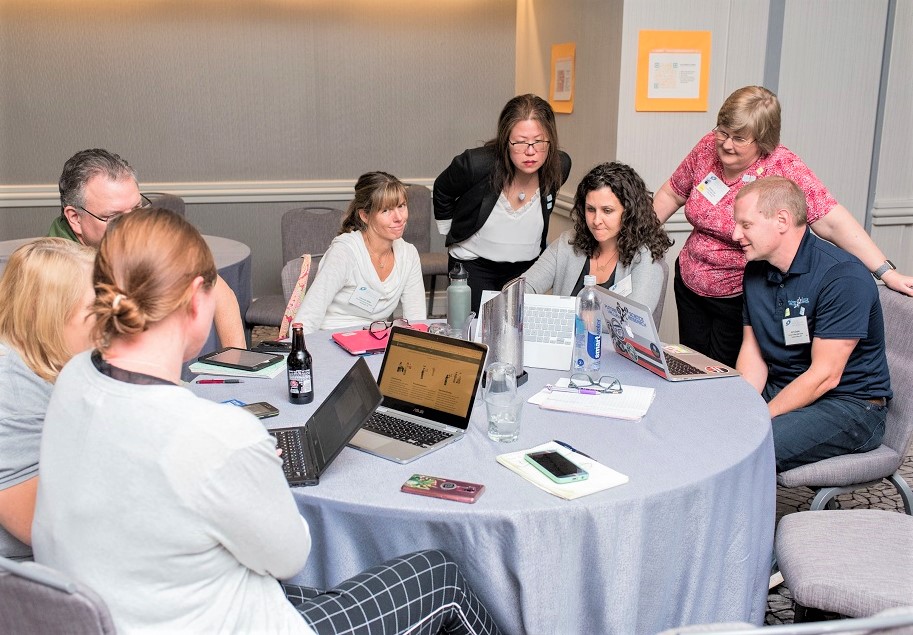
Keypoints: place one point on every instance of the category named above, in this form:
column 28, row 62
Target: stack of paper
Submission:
column 631, row 404
column 202, row 368
column 601, row 477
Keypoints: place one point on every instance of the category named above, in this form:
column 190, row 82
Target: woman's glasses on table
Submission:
column 606, row 384
column 379, row 329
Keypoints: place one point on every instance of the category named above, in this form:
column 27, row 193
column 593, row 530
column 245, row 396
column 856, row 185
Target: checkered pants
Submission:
column 420, row 593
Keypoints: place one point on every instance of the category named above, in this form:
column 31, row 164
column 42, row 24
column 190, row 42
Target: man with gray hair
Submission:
column 813, row 341
column 97, row 186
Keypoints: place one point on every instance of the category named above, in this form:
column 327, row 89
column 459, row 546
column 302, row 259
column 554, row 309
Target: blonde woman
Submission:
column 44, row 320
column 174, row 508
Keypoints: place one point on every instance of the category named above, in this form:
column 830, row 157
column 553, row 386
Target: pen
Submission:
column 579, row 391
column 220, row 381
column 572, row 449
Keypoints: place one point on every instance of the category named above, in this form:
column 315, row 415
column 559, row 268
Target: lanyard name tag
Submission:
column 623, row 287
column 365, row 298
column 795, row 330
column 712, row 188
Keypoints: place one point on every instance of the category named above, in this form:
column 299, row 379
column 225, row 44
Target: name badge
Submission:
column 712, row 188
column 365, row 298
column 623, row 287
column 795, row 330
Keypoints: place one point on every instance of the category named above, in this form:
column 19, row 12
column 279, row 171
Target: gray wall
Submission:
column 219, row 101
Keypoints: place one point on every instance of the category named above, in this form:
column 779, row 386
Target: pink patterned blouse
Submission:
column 711, row 263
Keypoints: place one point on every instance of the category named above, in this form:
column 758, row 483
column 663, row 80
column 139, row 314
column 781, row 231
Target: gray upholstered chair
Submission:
column 304, row 230
column 890, row 622
column 38, row 599
column 167, row 201
column 854, row 562
column 418, row 232
column 842, row 474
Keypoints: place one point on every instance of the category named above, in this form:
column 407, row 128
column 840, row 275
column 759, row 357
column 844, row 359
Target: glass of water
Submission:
column 503, row 403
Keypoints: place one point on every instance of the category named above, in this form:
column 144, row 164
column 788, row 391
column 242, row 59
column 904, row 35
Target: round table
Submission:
column 687, row 540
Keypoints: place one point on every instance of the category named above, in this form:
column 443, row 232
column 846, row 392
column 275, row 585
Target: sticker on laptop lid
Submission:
column 677, row 349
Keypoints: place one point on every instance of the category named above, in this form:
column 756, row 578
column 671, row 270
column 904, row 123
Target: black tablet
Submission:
column 240, row 358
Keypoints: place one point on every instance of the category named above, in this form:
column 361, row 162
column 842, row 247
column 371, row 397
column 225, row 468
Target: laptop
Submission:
column 308, row 450
column 428, row 383
column 548, row 329
column 635, row 337
column 362, row 342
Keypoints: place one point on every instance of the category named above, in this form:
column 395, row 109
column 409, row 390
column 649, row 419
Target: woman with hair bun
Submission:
column 616, row 237
column 173, row 508
column 368, row 268
column 45, row 319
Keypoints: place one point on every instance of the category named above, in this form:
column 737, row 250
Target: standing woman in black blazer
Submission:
column 493, row 203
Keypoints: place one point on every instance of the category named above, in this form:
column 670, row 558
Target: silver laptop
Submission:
column 428, row 383
column 634, row 336
column 548, row 329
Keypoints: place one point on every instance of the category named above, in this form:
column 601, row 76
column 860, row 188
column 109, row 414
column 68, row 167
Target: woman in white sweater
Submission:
column 368, row 268
column 174, row 508
column 615, row 238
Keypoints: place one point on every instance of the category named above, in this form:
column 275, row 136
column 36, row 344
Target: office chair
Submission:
column 418, row 232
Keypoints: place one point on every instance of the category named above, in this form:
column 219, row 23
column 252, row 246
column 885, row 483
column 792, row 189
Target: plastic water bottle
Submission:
column 459, row 297
column 588, row 331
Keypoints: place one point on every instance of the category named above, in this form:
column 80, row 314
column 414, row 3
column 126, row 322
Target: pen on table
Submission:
column 572, row 448
column 220, row 381
column 579, row 391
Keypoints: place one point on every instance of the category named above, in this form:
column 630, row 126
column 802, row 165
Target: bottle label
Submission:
column 594, row 342
column 299, row 382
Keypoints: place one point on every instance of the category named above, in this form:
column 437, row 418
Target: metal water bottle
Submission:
column 459, row 297
column 588, row 331
column 300, row 375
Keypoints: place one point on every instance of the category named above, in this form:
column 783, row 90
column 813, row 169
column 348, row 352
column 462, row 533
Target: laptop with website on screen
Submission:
column 634, row 336
column 428, row 383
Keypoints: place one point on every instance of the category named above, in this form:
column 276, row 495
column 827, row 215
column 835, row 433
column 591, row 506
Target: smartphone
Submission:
column 556, row 466
column 261, row 409
column 446, row 488
column 240, row 358
column 273, row 346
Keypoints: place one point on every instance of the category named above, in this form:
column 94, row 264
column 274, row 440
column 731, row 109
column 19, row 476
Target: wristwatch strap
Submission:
column 883, row 269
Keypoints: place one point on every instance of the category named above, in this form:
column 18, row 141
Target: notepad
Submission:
column 601, row 477
column 632, row 404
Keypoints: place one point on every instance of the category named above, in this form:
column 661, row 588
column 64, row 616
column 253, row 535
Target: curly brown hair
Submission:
column 639, row 225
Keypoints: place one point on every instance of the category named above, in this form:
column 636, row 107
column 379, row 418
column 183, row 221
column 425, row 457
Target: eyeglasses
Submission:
column 606, row 383
column 739, row 142
column 145, row 203
column 380, row 329
column 521, row 147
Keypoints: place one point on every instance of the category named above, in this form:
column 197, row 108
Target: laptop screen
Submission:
column 422, row 371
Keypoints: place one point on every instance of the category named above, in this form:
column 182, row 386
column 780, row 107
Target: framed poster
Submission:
column 673, row 71
column 561, row 83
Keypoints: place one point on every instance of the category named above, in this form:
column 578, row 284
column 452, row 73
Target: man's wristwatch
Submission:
column 883, row 269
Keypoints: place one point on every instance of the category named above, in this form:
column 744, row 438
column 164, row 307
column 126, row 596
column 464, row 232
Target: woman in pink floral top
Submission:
column 744, row 146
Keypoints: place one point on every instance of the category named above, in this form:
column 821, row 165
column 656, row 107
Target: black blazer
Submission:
column 463, row 193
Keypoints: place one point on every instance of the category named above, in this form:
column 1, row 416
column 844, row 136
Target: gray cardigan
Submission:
column 559, row 267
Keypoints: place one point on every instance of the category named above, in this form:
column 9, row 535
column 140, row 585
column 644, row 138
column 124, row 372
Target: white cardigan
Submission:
column 345, row 267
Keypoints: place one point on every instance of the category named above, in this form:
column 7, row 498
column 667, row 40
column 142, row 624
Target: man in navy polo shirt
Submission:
column 814, row 335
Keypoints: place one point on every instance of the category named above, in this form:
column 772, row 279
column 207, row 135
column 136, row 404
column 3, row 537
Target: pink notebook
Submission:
column 361, row 342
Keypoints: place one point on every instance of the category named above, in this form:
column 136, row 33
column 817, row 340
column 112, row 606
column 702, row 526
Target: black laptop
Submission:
column 308, row 450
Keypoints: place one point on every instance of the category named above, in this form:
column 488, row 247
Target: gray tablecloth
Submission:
column 687, row 540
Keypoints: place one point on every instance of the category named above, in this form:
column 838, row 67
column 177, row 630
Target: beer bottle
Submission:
column 300, row 377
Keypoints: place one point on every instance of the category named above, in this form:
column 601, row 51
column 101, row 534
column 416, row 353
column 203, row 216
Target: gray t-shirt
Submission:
column 24, row 398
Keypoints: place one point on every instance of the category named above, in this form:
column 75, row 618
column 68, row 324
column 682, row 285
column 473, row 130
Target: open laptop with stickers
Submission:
column 634, row 336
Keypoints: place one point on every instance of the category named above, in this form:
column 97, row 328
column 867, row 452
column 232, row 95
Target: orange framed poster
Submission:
column 561, row 83
column 673, row 71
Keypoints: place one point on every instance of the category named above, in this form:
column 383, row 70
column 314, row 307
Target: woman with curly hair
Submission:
column 616, row 237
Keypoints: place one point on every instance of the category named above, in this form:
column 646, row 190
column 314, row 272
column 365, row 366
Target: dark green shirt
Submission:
column 60, row 228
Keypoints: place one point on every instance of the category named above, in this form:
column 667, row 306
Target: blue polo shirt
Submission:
column 838, row 297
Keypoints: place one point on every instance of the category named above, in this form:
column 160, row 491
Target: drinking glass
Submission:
column 502, row 402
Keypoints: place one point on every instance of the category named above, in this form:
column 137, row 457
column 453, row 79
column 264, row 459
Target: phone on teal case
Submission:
column 556, row 466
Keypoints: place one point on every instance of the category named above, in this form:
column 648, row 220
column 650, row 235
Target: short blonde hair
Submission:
column 41, row 287
column 777, row 192
column 753, row 111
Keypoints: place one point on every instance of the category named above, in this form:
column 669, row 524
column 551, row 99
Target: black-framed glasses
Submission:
column 737, row 141
column 145, row 203
column 379, row 329
column 520, row 147
column 606, row 383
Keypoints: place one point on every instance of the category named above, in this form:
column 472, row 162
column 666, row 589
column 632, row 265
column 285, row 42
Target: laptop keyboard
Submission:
column 412, row 433
column 678, row 367
column 293, row 464
column 548, row 325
